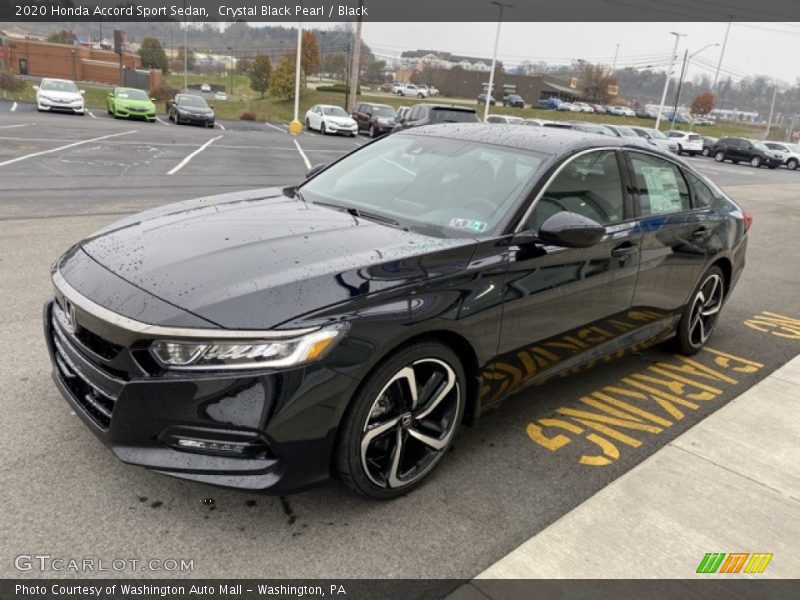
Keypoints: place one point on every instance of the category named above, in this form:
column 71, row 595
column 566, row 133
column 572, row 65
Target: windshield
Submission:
column 656, row 134
column 333, row 111
column 132, row 95
column 456, row 187
column 626, row 131
column 384, row 111
column 760, row 146
column 793, row 147
column 58, row 86
column 192, row 101
column 446, row 115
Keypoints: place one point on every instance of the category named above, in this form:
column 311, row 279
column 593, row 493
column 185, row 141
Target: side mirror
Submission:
column 110, row 94
column 211, row 106
column 571, row 230
column 83, row 92
column 36, row 87
column 152, row 99
column 314, row 170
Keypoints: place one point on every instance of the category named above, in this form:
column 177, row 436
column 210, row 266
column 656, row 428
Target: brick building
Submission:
column 43, row 59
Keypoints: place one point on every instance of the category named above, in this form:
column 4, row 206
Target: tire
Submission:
column 420, row 95
column 680, row 149
column 791, row 164
column 372, row 131
column 706, row 152
column 709, row 294
column 322, row 128
column 307, row 124
column 364, row 460
column 719, row 156
column 755, row 162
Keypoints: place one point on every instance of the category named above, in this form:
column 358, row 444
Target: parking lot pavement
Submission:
column 508, row 477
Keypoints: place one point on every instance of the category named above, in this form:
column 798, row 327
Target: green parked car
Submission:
column 130, row 103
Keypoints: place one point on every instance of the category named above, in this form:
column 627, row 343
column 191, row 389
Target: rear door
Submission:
column 677, row 233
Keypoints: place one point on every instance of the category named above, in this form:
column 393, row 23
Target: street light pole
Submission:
column 295, row 127
column 230, row 64
column 687, row 58
column 721, row 54
column 614, row 64
column 185, row 52
column 494, row 56
column 669, row 72
column 771, row 111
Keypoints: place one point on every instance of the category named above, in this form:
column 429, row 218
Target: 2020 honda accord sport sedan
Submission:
column 350, row 324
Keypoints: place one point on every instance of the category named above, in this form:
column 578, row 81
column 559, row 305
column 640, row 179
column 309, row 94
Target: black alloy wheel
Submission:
column 701, row 315
column 402, row 422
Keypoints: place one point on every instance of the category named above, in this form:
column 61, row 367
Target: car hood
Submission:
column 136, row 103
column 259, row 261
column 195, row 110
column 71, row 96
column 340, row 120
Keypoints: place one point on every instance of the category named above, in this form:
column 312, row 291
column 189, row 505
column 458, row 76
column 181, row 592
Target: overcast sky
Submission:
column 753, row 48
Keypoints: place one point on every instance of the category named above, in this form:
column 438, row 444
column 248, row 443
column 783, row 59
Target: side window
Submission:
column 659, row 185
column 423, row 112
column 703, row 196
column 413, row 114
column 589, row 185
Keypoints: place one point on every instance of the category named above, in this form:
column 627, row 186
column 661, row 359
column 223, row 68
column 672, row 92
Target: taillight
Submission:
column 748, row 220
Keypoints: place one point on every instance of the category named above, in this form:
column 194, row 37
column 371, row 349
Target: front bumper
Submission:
column 131, row 113
column 283, row 424
column 75, row 107
column 346, row 129
column 194, row 119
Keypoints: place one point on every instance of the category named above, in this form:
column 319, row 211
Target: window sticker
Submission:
column 468, row 224
column 662, row 189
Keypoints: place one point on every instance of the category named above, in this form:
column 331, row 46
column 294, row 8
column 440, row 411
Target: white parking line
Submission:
column 302, row 154
column 162, row 122
column 80, row 143
column 13, row 126
column 220, row 126
column 186, row 160
column 91, row 114
column 276, row 127
column 14, row 107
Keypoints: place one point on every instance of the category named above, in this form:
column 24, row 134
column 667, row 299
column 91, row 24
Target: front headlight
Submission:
column 221, row 355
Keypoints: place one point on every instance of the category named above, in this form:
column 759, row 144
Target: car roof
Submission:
column 549, row 140
column 447, row 107
column 329, row 106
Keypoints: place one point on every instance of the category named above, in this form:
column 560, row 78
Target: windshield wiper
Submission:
column 362, row 214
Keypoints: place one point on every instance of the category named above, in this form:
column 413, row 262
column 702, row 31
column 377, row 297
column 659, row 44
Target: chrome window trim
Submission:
column 176, row 333
column 555, row 174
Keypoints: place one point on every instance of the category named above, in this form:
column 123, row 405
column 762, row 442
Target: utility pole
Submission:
column 354, row 67
column 230, row 61
column 669, row 72
column 614, row 64
column 721, row 54
column 295, row 126
column 771, row 111
column 185, row 51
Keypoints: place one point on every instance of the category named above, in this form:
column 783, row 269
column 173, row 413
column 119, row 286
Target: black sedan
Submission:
column 349, row 325
column 737, row 150
column 191, row 109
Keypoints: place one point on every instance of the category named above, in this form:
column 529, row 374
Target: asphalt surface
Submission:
column 63, row 494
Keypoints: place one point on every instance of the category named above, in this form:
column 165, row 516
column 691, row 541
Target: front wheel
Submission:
column 719, row 157
column 700, row 316
column 402, row 422
column 706, row 151
column 755, row 162
column 372, row 131
column 322, row 128
column 791, row 164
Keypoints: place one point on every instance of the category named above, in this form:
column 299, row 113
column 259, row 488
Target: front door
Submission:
column 564, row 306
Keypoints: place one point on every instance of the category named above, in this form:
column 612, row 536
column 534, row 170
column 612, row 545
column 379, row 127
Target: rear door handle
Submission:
column 624, row 250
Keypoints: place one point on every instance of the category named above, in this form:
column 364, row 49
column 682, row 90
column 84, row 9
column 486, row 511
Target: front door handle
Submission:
column 624, row 250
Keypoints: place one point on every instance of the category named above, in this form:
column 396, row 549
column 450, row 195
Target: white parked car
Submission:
column 568, row 106
column 788, row 153
column 326, row 118
column 584, row 107
column 657, row 138
column 409, row 89
column 221, row 96
column 59, row 94
column 205, row 88
column 506, row 119
column 688, row 142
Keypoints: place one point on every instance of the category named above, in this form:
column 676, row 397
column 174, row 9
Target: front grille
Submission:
column 94, row 388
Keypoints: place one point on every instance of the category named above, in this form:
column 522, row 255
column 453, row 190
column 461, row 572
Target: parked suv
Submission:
column 739, row 150
column 789, row 153
column 482, row 99
column 428, row 114
column 514, row 100
column 691, row 143
column 376, row 119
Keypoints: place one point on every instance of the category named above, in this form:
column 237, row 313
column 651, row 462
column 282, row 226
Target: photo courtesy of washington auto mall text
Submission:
column 415, row 300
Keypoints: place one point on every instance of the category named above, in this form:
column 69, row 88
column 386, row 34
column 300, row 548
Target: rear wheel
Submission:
column 402, row 421
column 719, row 156
column 700, row 316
